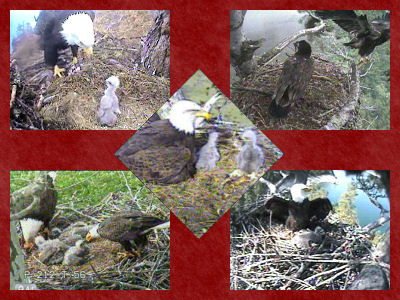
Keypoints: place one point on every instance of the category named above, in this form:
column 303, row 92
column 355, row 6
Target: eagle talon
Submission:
column 75, row 60
column 132, row 254
column 28, row 245
column 58, row 71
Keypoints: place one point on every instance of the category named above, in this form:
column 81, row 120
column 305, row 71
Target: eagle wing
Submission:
column 366, row 36
column 159, row 153
column 294, row 79
column 38, row 200
column 278, row 207
column 319, row 209
column 347, row 20
column 127, row 226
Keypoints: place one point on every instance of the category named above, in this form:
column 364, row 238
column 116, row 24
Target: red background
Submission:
column 199, row 40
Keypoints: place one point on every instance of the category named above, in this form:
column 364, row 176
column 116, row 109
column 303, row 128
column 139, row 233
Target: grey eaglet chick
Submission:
column 208, row 154
column 251, row 156
column 75, row 255
column 109, row 105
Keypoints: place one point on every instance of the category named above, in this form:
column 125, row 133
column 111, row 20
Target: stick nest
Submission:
column 103, row 269
column 264, row 256
column 326, row 94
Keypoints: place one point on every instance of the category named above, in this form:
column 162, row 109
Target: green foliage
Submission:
column 346, row 208
column 85, row 187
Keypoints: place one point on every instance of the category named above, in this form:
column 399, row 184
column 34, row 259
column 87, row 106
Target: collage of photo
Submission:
column 198, row 155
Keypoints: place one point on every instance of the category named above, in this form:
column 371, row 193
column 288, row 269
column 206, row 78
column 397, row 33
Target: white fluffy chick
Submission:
column 109, row 104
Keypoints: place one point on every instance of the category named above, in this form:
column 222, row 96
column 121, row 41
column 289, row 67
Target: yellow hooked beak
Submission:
column 89, row 237
column 88, row 52
column 204, row 114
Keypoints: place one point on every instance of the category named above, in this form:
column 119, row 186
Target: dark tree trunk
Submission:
column 154, row 55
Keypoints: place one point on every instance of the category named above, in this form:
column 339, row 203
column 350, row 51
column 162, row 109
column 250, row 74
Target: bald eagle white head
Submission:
column 184, row 115
column 93, row 234
column 299, row 192
column 78, row 30
column 30, row 228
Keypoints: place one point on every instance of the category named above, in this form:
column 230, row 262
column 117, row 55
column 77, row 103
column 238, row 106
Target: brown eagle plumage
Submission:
column 125, row 228
column 163, row 151
column 297, row 215
column 158, row 153
column 366, row 35
column 293, row 81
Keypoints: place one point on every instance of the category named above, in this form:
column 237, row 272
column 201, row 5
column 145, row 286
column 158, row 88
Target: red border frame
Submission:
column 199, row 40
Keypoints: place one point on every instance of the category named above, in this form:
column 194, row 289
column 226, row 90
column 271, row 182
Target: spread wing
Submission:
column 319, row 209
column 347, row 20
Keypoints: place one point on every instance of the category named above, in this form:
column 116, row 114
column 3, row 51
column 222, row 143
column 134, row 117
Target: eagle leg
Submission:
column 129, row 252
column 29, row 245
column 364, row 60
column 46, row 232
column 58, row 71
column 74, row 49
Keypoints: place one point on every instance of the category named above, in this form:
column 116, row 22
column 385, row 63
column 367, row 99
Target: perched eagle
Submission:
column 163, row 151
column 125, row 228
column 60, row 29
column 366, row 36
column 299, row 215
column 34, row 206
column 296, row 74
column 251, row 157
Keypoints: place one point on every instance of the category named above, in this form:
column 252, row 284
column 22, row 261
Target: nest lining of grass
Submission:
column 103, row 269
column 263, row 256
column 201, row 201
column 326, row 94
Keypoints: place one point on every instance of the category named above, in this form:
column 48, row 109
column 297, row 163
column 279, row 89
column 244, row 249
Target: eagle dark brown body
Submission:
column 49, row 26
column 293, row 81
column 366, row 35
column 297, row 216
column 159, row 153
column 126, row 227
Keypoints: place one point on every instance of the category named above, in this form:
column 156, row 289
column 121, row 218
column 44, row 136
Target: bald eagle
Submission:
column 293, row 81
column 60, row 29
column 125, row 228
column 163, row 151
column 298, row 215
column 366, row 35
column 34, row 206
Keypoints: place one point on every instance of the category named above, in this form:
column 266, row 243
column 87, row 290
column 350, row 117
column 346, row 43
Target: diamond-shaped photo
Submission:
column 198, row 154
column 87, row 69
column 313, row 230
column 86, row 230
column 311, row 69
